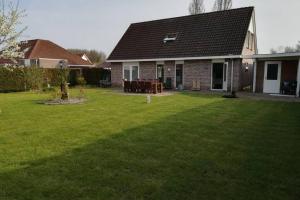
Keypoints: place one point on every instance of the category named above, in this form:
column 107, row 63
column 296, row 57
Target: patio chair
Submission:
column 127, row 86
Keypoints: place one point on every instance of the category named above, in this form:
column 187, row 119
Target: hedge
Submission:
column 15, row 79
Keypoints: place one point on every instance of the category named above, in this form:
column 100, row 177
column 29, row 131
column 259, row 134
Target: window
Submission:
column 27, row 62
column 131, row 72
column 170, row 37
column 272, row 72
column 160, row 73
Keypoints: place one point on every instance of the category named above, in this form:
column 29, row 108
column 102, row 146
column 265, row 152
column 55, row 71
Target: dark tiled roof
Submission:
column 209, row 34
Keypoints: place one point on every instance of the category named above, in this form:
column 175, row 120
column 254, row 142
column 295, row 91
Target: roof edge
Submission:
column 176, row 59
column 206, row 13
column 274, row 55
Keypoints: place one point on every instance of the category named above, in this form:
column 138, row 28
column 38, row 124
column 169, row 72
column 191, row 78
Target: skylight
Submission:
column 170, row 37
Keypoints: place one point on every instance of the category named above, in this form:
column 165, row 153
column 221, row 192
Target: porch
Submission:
column 277, row 74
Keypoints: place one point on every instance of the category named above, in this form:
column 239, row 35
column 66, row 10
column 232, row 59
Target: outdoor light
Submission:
column 169, row 69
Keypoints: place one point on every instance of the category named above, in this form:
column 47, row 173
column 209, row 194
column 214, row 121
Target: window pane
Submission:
column 272, row 72
column 127, row 74
column 135, row 73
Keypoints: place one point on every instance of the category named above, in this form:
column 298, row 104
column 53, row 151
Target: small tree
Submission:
column 64, row 76
column 196, row 7
column 10, row 18
column 222, row 5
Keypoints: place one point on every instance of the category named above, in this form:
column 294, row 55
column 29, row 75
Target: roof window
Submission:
column 170, row 37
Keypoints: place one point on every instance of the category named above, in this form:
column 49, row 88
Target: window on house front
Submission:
column 131, row 73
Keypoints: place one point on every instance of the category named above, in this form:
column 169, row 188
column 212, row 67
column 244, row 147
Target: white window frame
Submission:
column 130, row 66
column 157, row 64
column 179, row 62
column 211, row 75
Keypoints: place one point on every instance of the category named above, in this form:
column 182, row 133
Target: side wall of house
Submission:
column 116, row 74
column 49, row 63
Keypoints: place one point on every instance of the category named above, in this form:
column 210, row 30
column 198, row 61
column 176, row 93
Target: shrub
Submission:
column 81, row 81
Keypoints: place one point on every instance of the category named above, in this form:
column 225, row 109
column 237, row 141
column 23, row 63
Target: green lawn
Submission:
column 185, row 146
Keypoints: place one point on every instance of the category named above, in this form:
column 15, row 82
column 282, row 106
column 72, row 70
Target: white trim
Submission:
column 175, row 78
column 231, row 79
column 178, row 59
column 226, row 82
column 279, row 63
column 276, row 55
column 163, row 65
column 298, row 79
column 254, row 75
column 211, row 75
column 130, row 65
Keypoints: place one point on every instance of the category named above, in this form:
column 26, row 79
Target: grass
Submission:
column 186, row 146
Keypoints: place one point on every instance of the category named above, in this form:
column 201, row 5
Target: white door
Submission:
column 272, row 77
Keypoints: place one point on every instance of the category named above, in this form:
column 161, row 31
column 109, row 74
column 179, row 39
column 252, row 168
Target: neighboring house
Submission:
column 204, row 51
column 46, row 54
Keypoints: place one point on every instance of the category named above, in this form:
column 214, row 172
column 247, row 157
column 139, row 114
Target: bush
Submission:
column 15, row 79
column 81, row 81
column 12, row 79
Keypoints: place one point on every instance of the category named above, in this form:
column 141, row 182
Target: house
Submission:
column 277, row 73
column 204, row 51
column 46, row 54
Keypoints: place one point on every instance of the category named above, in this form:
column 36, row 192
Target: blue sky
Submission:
column 99, row 24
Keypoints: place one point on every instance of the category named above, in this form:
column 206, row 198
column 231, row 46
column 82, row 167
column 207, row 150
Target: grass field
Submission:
column 185, row 146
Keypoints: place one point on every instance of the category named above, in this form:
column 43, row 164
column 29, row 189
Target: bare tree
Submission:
column 10, row 18
column 96, row 57
column 287, row 49
column 196, row 7
column 222, row 5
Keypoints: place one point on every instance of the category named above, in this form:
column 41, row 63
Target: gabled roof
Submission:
column 35, row 49
column 210, row 34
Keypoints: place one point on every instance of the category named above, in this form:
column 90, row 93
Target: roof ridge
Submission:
column 34, row 47
column 201, row 14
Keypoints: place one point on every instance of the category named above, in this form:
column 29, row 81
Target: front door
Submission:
column 272, row 77
column 179, row 75
column 219, row 76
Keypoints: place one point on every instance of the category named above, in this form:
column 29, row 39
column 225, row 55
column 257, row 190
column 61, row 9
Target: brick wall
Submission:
column 147, row 70
column 116, row 74
column 198, row 70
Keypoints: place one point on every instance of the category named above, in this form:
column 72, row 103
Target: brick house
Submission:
column 46, row 54
column 204, row 51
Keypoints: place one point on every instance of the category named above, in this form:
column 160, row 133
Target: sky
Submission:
column 99, row 24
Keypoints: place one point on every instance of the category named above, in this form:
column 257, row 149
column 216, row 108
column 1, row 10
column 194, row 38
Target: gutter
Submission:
column 177, row 59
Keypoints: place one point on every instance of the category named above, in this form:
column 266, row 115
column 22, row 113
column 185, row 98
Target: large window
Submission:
column 130, row 72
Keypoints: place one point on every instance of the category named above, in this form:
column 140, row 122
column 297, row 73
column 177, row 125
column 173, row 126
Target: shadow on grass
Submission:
column 210, row 152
